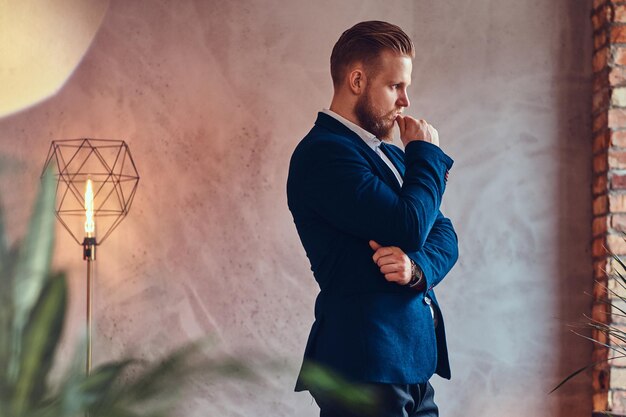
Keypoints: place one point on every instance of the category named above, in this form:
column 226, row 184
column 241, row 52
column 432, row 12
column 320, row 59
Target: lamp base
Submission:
column 89, row 248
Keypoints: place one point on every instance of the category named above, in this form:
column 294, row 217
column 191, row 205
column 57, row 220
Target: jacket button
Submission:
column 427, row 301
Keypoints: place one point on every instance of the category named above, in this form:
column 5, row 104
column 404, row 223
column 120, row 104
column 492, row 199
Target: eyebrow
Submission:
column 392, row 82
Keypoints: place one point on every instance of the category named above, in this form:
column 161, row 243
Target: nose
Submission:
column 403, row 100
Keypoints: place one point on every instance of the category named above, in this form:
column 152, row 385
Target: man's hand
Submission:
column 393, row 263
column 412, row 129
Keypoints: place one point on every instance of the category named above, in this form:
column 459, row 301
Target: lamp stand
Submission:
column 106, row 169
column 89, row 254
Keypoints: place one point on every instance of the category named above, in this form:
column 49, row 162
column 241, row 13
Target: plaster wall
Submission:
column 212, row 97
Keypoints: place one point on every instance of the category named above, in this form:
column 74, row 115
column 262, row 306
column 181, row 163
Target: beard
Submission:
column 380, row 125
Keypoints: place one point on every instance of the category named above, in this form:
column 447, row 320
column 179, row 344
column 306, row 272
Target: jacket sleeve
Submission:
column 439, row 253
column 341, row 188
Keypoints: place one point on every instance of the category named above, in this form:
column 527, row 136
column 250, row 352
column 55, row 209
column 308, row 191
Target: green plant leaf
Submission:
column 41, row 337
column 101, row 388
column 6, row 322
column 4, row 249
column 79, row 392
column 165, row 375
column 33, row 264
column 355, row 397
column 570, row 376
column 578, row 371
column 32, row 312
column 617, row 258
column 155, row 385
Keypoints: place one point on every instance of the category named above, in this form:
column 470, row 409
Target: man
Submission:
column 368, row 217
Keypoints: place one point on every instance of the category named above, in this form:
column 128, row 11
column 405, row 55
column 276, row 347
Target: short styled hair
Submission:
column 364, row 42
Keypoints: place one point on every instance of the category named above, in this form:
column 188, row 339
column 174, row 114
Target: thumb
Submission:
column 401, row 125
column 374, row 245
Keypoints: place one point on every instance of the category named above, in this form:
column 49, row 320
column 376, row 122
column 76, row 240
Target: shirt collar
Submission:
column 370, row 139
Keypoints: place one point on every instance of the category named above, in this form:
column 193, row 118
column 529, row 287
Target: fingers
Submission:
column 394, row 277
column 385, row 254
column 412, row 129
column 434, row 135
column 392, row 258
column 375, row 245
column 379, row 250
column 382, row 252
column 392, row 262
column 401, row 125
column 391, row 268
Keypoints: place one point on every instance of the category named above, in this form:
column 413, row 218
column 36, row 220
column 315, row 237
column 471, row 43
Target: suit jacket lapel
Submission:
column 389, row 176
column 380, row 168
column 395, row 155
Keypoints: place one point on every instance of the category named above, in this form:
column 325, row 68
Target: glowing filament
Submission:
column 90, row 224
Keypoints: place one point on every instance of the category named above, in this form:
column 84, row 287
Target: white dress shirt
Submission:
column 371, row 140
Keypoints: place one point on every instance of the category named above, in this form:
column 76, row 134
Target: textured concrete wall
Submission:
column 212, row 98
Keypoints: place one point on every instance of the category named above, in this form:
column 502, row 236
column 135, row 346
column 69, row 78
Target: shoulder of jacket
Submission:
column 323, row 140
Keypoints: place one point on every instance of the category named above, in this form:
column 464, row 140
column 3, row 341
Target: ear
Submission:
column 356, row 81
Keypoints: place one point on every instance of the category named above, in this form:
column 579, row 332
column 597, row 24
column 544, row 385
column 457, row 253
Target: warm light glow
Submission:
column 41, row 44
column 90, row 224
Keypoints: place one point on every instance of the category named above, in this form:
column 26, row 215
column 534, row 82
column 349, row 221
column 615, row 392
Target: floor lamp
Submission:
column 96, row 183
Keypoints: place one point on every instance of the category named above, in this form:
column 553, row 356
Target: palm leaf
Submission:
column 328, row 384
column 32, row 312
column 622, row 264
column 79, row 392
column 578, row 371
column 615, row 336
column 168, row 376
column 41, row 337
column 159, row 377
column 32, row 266
column 4, row 249
column 6, row 320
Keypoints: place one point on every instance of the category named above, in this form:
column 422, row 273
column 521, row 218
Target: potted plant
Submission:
column 33, row 301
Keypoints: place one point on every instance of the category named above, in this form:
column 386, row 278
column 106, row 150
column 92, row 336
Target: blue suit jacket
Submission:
column 341, row 195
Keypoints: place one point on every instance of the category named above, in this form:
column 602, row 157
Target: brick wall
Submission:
column 609, row 189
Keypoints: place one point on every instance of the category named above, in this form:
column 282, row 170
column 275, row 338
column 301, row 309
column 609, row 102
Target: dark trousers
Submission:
column 394, row 400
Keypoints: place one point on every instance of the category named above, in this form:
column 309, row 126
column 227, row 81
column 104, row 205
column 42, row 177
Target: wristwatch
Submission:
column 417, row 276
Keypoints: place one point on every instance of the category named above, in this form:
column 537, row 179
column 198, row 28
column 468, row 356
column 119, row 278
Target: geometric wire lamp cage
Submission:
column 96, row 181
column 109, row 166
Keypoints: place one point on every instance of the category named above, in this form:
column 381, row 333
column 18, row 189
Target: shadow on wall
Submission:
column 41, row 44
column 574, row 206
